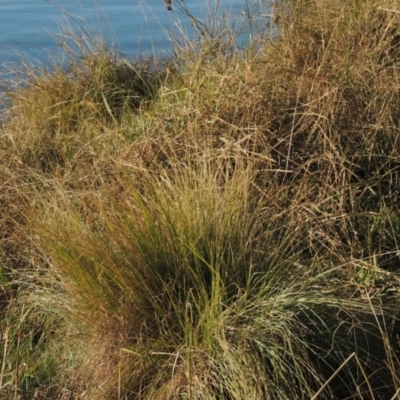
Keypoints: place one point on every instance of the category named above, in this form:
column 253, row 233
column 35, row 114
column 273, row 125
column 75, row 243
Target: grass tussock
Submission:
column 224, row 225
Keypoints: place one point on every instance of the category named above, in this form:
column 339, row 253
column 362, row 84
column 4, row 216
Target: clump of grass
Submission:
column 227, row 230
column 198, row 287
column 62, row 111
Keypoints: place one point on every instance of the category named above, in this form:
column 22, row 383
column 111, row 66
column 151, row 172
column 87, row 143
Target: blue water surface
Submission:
column 29, row 28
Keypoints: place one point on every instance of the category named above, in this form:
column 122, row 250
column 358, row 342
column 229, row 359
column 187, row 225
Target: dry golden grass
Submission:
column 224, row 225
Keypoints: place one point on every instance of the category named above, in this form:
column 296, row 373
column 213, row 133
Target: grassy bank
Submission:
column 223, row 225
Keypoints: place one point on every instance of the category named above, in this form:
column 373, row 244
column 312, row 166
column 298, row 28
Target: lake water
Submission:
column 27, row 27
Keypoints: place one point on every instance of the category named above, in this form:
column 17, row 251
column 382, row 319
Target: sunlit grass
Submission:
column 224, row 225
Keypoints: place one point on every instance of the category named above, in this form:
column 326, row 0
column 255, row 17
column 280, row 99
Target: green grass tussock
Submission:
column 223, row 225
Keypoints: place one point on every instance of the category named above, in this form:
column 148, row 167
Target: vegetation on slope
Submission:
column 224, row 225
